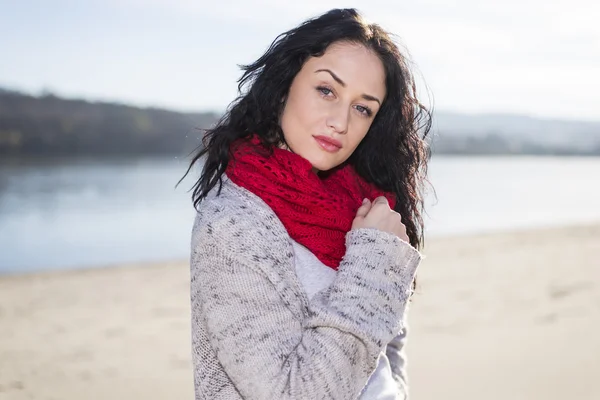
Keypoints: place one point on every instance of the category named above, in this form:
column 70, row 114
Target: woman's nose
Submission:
column 338, row 118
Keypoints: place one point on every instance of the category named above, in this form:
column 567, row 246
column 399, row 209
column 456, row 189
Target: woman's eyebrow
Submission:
column 334, row 76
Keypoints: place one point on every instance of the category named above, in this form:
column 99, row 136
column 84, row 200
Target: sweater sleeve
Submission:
column 268, row 352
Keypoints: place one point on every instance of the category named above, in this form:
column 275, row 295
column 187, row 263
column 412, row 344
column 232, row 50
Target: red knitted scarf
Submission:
column 316, row 211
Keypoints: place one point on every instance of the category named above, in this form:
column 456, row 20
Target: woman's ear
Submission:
column 282, row 103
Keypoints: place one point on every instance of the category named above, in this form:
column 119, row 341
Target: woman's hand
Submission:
column 379, row 215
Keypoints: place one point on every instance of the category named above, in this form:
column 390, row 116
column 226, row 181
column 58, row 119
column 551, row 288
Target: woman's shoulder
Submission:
column 230, row 205
column 237, row 220
column 225, row 203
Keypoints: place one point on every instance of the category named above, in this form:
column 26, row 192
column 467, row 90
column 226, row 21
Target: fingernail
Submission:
column 365, row 200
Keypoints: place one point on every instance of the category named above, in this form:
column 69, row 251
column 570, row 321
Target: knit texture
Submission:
column 317, row 211
column 389, row 380
column 255, row 333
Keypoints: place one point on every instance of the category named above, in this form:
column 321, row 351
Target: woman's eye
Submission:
column 364, row 110
column 324, row 91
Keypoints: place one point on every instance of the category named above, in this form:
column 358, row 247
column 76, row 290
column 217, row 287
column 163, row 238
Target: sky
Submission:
column 532, row 57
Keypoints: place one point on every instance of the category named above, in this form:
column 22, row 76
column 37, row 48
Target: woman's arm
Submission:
column 268, row 352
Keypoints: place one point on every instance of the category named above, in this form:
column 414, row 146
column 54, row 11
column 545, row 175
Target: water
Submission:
column 86, row 213
column 486, row 194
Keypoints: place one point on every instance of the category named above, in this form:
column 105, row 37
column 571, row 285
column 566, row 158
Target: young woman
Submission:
column 304, row 248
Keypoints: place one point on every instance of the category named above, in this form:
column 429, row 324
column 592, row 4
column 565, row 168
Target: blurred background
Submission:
column 101, row 103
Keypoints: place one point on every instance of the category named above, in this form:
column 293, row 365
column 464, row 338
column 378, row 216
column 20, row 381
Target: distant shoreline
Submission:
column 49, row 158
column 431, row 240
column 48, row 124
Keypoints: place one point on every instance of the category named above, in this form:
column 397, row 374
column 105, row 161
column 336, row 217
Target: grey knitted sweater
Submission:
column 255, row 332
column 389, row 380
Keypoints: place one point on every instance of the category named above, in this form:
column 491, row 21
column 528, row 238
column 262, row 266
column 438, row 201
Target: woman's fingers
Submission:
column 362, row 212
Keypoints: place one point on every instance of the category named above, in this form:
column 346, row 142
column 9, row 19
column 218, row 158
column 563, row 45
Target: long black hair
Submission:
column 393, row 155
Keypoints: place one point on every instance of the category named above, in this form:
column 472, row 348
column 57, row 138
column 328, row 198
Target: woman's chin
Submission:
column 322, row 165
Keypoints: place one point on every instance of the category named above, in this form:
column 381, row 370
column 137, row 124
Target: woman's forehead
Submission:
column 353, row 64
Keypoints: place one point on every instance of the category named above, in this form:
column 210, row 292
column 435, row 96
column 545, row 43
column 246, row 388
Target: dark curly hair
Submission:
column 393, row 155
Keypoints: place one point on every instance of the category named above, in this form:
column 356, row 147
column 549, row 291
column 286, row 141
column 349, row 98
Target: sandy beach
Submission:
column 497, row 316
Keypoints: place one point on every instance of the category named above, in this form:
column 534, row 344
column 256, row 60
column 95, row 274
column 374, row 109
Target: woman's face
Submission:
column 331, row 104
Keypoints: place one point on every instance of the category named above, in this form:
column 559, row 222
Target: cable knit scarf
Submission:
column 316, row 211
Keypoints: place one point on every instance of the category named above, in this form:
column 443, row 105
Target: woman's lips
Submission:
column 328, row 144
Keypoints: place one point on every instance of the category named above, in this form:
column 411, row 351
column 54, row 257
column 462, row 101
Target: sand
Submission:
column 497, row 316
